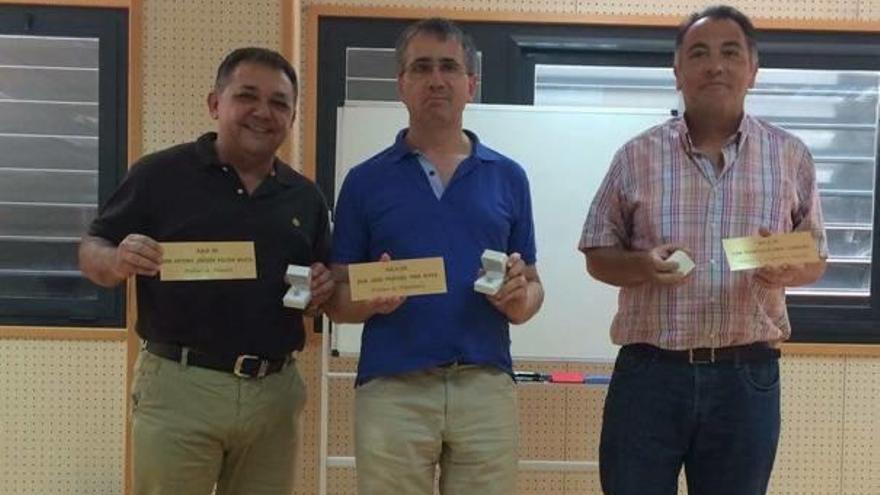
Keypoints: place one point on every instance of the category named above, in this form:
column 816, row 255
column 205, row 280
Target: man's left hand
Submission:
column 321, row 287
column 513, row 291
column 780, row 276
column 777, row 277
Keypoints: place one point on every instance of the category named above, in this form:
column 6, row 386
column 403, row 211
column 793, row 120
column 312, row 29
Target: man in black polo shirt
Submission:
column 216, row 397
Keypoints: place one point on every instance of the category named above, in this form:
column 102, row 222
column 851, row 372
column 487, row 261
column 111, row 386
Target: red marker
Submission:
column 566, row 377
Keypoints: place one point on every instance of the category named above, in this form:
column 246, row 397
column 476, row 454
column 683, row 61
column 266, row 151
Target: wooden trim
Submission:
column 133, row 346
column 310, row 102
column 135, row 150
column 489, row 15
column 584, row 19
column 296, row 60
column 850, row 350
column 63, row 333
column 286, row 43
column 118, row 4
column 834, row 25
column 135, row 80
column 288, row 20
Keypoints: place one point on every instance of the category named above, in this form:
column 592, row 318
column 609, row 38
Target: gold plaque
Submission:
column 411, row 277
column 208, row 261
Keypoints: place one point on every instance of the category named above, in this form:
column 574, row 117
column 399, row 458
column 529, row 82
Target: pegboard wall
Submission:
column 556, row 423
column 183, row 43
column 62, row 417
column 309, row 364
column 861, row 429
column 829, row 444
column 810, row 446
column 63, row 404
column 783, row 9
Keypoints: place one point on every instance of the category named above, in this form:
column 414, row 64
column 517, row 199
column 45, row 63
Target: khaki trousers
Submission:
column 194, row 428
column 462, row 418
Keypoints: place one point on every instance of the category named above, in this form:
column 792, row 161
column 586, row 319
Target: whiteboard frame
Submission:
column 583, row 141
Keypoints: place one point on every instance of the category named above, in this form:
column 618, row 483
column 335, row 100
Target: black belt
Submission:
column 455, row 364
column 759, row 351
column 243, row 365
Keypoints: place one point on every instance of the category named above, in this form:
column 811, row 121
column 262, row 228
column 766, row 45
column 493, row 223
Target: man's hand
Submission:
column 137, row 254
column 521, row 295
column 384, row 305
column 664, row 272
column 342, row 309
column 513, row 291
column 780, row 276
column 321, row 286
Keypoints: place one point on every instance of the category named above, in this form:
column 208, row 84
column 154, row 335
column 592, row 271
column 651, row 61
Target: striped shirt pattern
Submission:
column 660, row 189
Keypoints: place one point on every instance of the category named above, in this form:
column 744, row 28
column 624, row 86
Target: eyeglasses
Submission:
column 424, row 68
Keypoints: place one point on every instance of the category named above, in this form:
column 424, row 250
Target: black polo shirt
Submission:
column 185, row 193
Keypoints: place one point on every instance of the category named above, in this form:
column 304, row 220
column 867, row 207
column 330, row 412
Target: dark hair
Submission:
column 256, row 55
column 718, row 13
column 442, row 29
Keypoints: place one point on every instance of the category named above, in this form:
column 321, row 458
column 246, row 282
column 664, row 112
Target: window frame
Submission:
column 510, row 52
column 110, row 27
column 814, row 319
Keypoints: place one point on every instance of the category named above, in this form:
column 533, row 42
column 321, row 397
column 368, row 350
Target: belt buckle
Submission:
column 239, row 361
column 699, row 360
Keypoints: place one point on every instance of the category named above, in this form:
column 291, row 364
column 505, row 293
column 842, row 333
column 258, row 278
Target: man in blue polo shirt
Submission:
column 434, row 380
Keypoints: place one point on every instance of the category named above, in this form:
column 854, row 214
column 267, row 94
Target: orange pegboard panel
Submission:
column 62, row 417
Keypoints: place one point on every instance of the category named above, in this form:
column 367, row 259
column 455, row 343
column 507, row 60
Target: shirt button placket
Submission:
column 714, row 261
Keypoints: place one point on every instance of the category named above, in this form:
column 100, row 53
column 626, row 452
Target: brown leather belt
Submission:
column 759, row 351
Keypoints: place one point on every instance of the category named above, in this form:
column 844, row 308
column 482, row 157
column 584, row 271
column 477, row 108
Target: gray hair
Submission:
column 442, row 29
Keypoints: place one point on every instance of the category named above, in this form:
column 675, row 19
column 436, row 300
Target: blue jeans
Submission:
column 720, row 421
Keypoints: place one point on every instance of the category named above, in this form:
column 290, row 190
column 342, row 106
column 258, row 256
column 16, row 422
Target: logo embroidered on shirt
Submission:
column 295, row 221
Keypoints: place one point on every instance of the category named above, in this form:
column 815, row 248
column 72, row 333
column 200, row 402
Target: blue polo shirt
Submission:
column 387, row 204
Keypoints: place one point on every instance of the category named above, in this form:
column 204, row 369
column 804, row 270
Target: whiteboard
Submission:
column 566, row 153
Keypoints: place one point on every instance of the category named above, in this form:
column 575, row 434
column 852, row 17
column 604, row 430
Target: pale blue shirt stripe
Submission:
column 432, row 175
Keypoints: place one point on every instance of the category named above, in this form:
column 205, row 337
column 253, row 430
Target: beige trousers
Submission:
column 194, row 428
column 462, row 418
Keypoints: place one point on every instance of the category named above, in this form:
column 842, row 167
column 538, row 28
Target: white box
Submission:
column 495, row 268
column 299, row 294
column 685, row 263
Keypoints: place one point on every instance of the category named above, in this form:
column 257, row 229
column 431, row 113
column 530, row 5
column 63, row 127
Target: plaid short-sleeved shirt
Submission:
column 660, row 189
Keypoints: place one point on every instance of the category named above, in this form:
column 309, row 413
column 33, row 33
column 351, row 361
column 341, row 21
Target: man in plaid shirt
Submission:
column 696, row 382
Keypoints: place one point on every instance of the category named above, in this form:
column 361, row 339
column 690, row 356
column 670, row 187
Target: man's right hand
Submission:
column 385, row 305
column 342, row 309
column 137, row 254
column 664, row 272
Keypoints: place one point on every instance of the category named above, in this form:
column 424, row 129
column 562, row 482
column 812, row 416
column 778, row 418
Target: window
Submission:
column 371, row 74
column 822, row 86
column 833, row 112
column 62, row 149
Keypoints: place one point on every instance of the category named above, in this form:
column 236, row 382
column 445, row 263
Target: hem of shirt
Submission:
column 772, row 342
